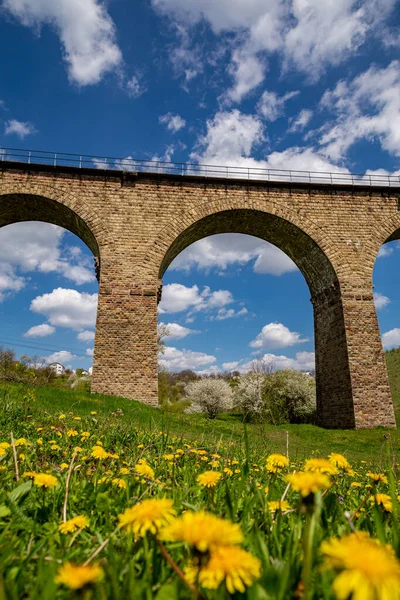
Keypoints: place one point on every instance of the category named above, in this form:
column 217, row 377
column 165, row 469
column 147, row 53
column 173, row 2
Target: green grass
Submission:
column 393, row 367
column 304, row 440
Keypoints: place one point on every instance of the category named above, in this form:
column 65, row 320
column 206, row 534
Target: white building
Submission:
column 57, row 367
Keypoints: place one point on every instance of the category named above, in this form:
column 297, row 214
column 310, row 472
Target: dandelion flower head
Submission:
column 149, row 515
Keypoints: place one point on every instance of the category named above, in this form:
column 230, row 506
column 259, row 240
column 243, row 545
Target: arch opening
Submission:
column 48, row 287
column 334, row 395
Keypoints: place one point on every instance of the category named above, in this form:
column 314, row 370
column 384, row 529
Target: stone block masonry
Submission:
column 137, row 223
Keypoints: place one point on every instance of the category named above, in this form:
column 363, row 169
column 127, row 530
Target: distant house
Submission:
column 57, row 367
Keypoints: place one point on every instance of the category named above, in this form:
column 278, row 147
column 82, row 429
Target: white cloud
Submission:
column 391, row 339
column 87, row 34
column 229, row 313
column 177, row 298
column 19, row 128
column 173, row 122
column 67, row 308
column 42, row 330
column 89, row 351
column 301, row 121
column 303, row 361
column 10, row 282
column 86, row 336
column 177, row 332
column 134, row 87
column 309, row 35
column 231, row 139
column 368, row 107
column 271, row 106
column 35, row 246
column 230, row 366
column 384, row 250
column 380, row 300
column 222, row 250
column 178, row 360
column 248, row 71
column 62, row 356
column 276, row 335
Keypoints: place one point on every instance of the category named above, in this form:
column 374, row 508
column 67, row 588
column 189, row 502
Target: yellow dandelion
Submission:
column 168, row 456
column 366, row 568
column 72, row 525
column 228, row 471
column 320, row 465
column 72, row 433
column 64, row 466
column 121, row 483
column 77, row 576
column 275, row 463
column 61, row 416
column 203, row 531
column 308, row 482
column 209, row 479
column 142, row 468
column 238, row 568
column 355, row 484
column 54, row 447
column 5, row 445
column 384, row 500
column 149, row 515
column 124, row 471
column 45, row 480
column 30, row 474
column 339, row 461
column 281, row 505
column 93, row 412
column 99, row 452
column 20, row 442
column 377, row 477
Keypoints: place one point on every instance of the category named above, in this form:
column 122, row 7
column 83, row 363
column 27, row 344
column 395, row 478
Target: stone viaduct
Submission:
column 136, row 224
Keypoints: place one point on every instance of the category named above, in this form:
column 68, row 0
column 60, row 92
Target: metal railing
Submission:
column 203, row 170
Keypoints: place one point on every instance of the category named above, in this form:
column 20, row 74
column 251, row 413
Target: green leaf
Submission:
column 20, row 491
column 4, row 511
column 169, row 591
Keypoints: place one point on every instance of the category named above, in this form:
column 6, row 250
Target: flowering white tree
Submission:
column 213, row 396
column 249, row 393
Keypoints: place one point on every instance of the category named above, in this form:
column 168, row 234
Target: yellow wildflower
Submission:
column 384, row 500
column 308, row 482
column 355, row 484
column 99, row 452
column 5, row 445
column 168, row 456
column 203, row 530
column 367, row 569
column 64, row 466
column 61, row 416
column 45, row 480
column 93, row 412
column 275, row 463
column 149, row 515
column 124, row 471
column 228, row 471
column 142, row 468
column 339, row 461
column 77, row 576
column 72, row 433
column 320, row 465
column 30, row 474
column 377, row 477
column 70, row 526
column 209, row 479
column 20, row 442
column 275, row 505
column 231, row 564
column 121, row 483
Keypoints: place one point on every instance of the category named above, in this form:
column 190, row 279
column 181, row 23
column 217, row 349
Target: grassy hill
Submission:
column 393, row 366
column 20, row 409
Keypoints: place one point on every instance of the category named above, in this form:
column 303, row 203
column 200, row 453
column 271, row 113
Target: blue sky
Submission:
column 310, row 85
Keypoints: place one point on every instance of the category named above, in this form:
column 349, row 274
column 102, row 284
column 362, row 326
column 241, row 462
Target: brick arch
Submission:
column 44, row 203
column 299, row 238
